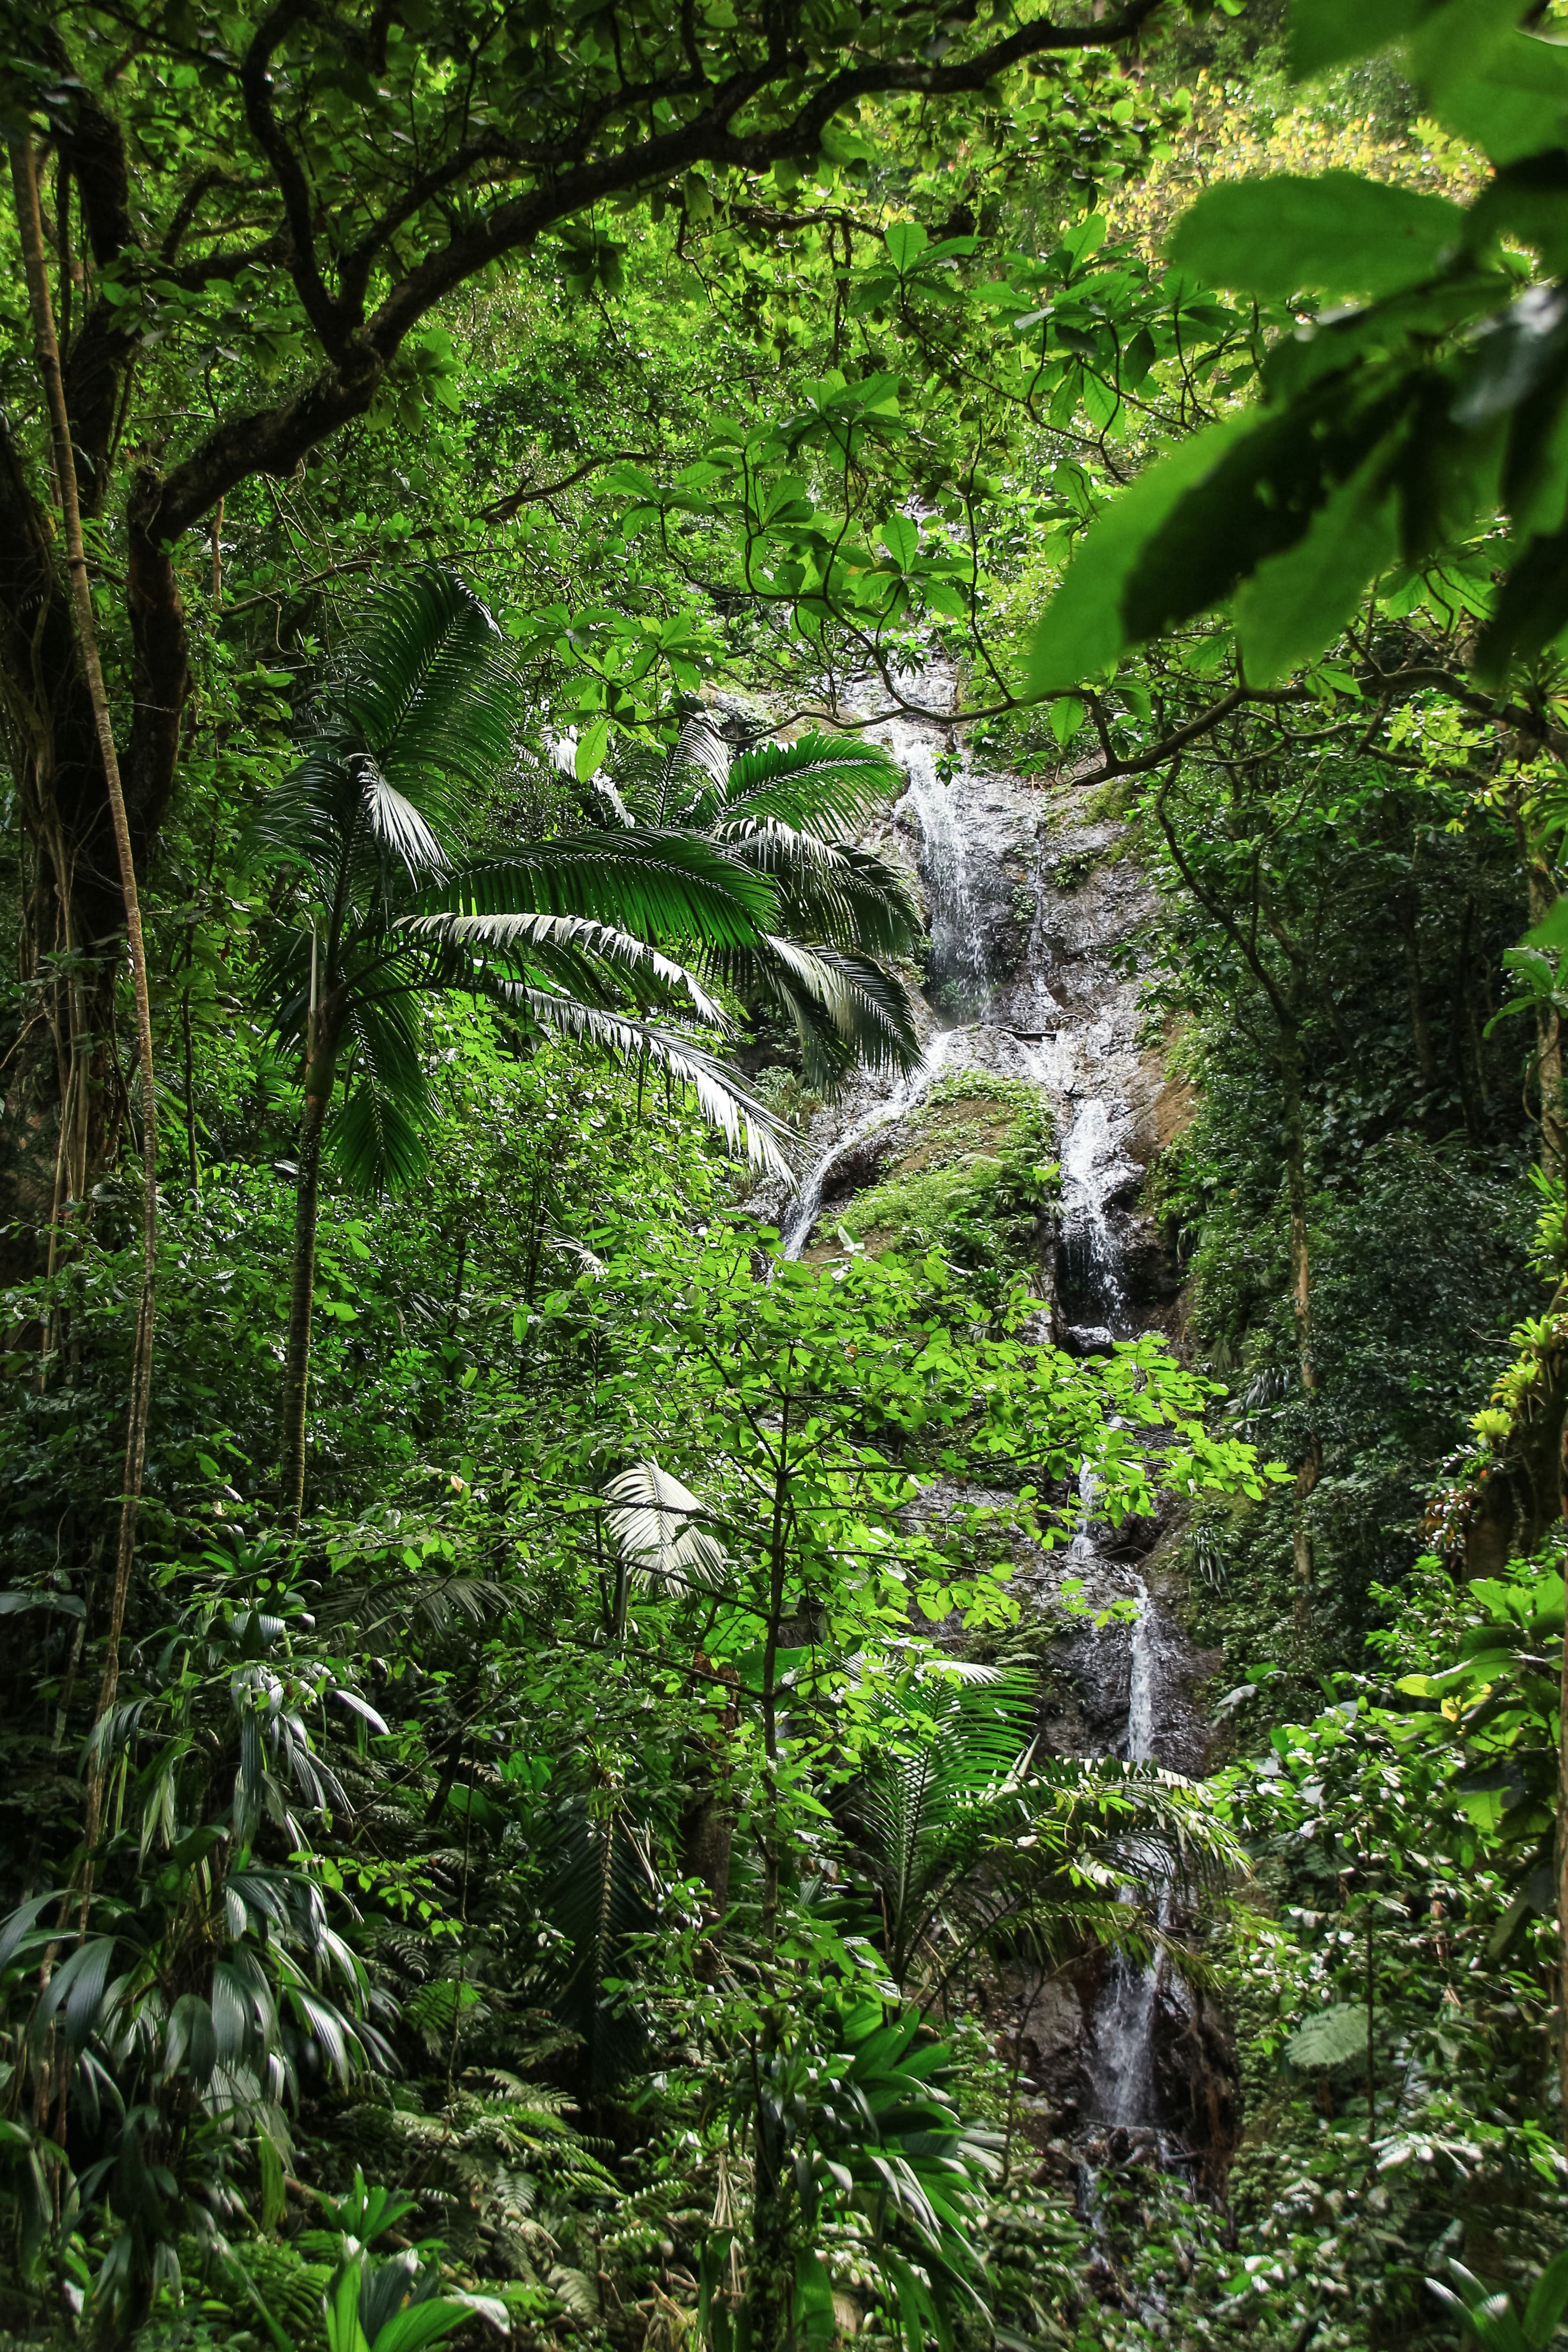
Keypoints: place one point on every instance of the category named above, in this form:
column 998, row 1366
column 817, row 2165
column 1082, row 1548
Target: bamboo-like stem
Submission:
column 29, row 223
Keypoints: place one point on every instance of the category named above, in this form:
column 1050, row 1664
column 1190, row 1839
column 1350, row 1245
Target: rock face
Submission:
column 1029, row 900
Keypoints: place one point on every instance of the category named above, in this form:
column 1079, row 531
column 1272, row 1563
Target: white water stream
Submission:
column 1122, row 2027
column 1028, row 991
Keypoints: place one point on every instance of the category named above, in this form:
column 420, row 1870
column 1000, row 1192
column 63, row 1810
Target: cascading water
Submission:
column 959, row 963
column 1122, row 2026
column 1091, row 1292
column 806, row 1206
column 1020, row 983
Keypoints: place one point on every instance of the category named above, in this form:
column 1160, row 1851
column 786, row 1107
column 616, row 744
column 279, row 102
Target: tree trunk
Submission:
column 60, row 1096
column 1464, row 1032
column 31, row 228
column 1543, row 896
column 1408, row 907
column 776, row 1563
column 1301, row 1308
column 297, row 1364
column 769, row 2287
column 708, row 1818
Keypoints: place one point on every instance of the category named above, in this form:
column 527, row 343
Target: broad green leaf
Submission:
column 1516, row 105
column 1337, row 234
column 1087, row 237
column 901, row 539
column 1296, row 603
column 1137, row 360
column 906, row 241
column 418, row 2324
column 344, row 2333
column 1453, row 42
column 1260, row 497
column 1082, row 630
column 590, row 752
column 1327, row 32
column 1553, row 931
column 1548, row 2301
column 1531, row 610
column 1066, row 717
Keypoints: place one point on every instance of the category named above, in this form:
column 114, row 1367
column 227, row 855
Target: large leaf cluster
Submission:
column 1390, row 431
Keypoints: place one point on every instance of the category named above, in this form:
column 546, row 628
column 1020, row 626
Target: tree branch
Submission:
column 527, row 496
column 333, row 327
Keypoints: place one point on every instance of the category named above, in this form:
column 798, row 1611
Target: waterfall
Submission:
column 1090, row 1286
column 1122, row 2027
column 1032, row 992
column 804, row 1209
column 958, row 954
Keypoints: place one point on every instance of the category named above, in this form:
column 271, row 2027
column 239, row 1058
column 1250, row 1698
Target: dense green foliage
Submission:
column 554, row 1834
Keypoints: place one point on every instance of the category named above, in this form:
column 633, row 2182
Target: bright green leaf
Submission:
column 1336, row 233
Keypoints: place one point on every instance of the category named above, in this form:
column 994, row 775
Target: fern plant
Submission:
column 974, row 1842
column 791, row 812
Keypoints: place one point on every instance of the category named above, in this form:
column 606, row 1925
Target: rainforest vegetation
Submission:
column 583, row 1611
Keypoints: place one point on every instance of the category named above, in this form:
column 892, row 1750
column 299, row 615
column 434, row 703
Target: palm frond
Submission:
column 601, row 1890
column 374, row 1144
column 394, row 822
column 743, row 1121
column 655, row 1523
column 963, row 1827
column 570, row 949
column 384, row 1030
column 373, row 1136
column 428, row 687
column 845, row 1008
column 817, row 782
column 851, row 897
column 683, row 785
column 703, row 748
column 657, row 885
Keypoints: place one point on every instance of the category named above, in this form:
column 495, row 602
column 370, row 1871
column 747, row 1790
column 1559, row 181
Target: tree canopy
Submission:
column 783, row 1175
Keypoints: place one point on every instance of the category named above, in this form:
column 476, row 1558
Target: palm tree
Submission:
column 790, row 812
column 975, row 1844
column 406, row 743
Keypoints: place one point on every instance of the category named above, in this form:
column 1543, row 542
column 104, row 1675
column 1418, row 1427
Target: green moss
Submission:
column 922, row 1208
column 975, row 1181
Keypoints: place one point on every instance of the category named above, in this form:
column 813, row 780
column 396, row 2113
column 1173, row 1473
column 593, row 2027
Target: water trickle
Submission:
column 1141, row 1683
column 806, row 1206
column 959, row 961
column 1091, row 1287
column 1034, row 995
column 1122, row 2072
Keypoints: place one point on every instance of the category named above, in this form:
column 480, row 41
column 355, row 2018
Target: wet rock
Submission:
column 1030, row 902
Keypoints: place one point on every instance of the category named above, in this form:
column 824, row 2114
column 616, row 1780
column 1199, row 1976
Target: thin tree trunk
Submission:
column 1301, row 1308
column 1543, row 895
column 1408, row 904
column 708, row 1818
column 776, row 1561
column 297, row 1365
column 193, row 1161
column 1471, row 1082
column 31, row 228
column 1371, row 2039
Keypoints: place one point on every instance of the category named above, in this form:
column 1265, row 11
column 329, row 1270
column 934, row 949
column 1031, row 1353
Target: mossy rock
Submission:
column 972, row 1174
